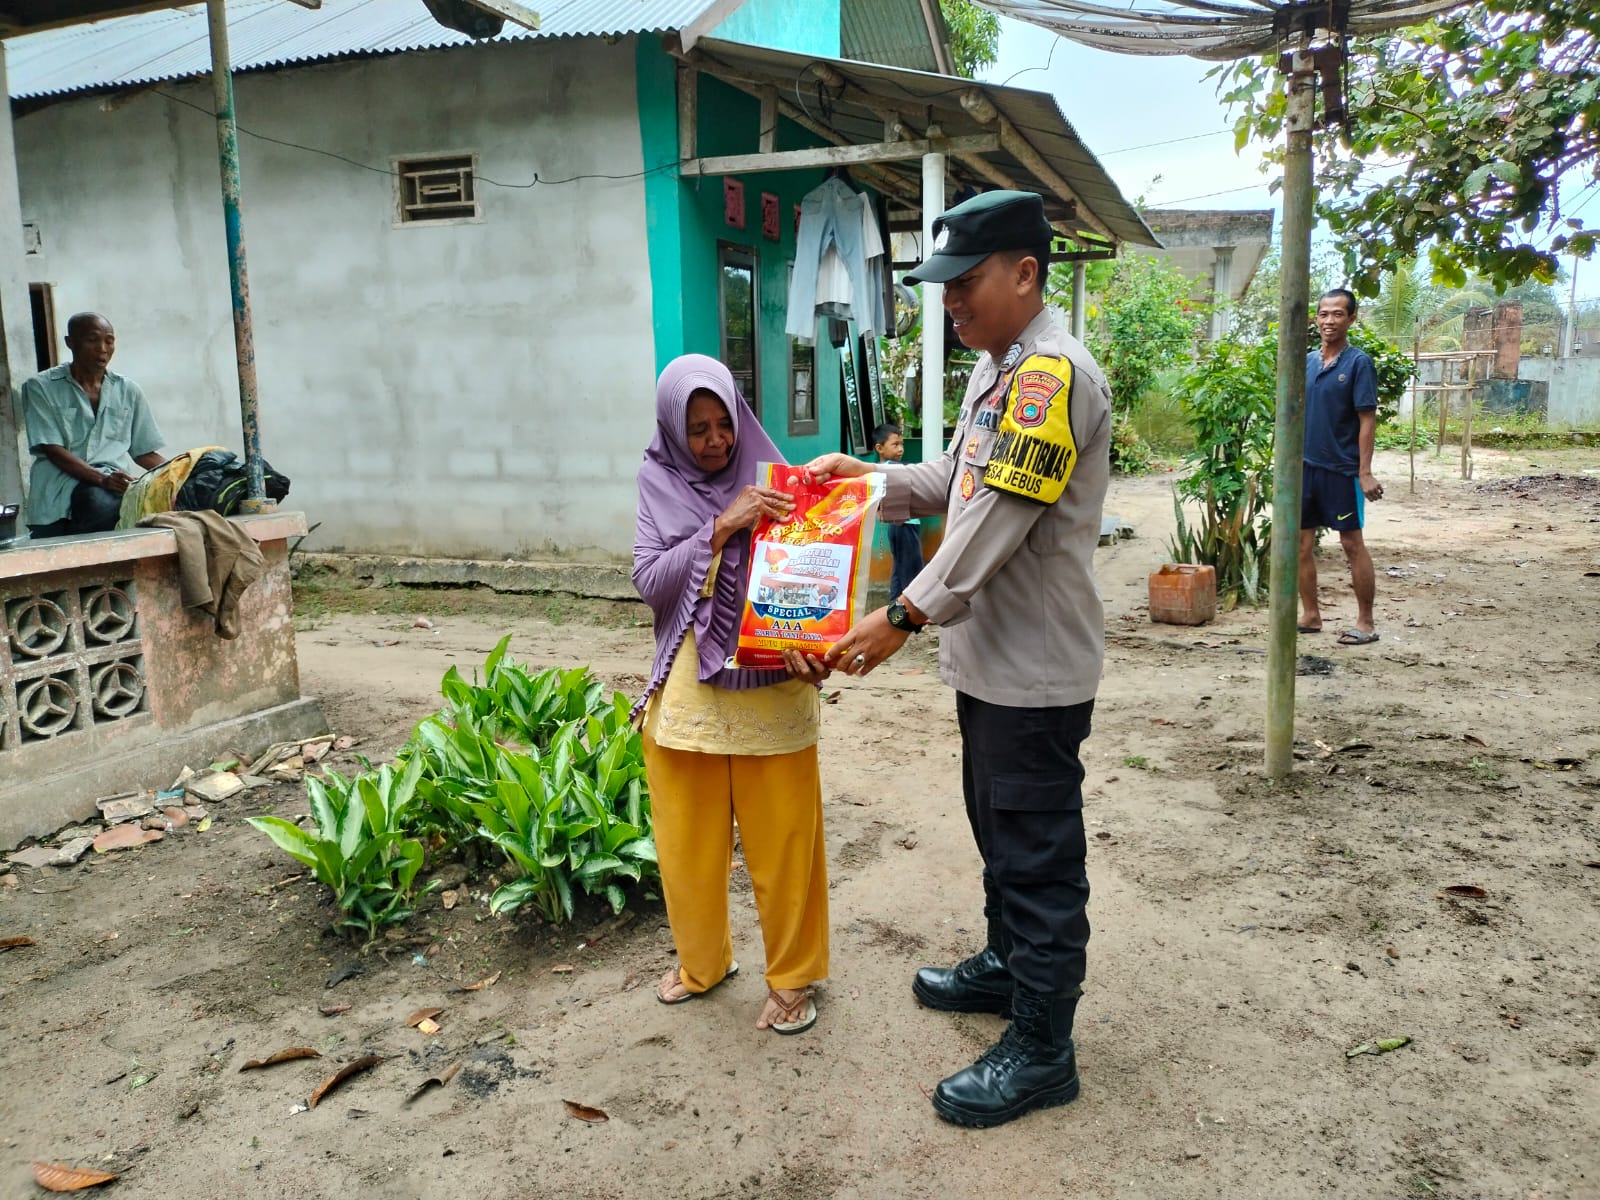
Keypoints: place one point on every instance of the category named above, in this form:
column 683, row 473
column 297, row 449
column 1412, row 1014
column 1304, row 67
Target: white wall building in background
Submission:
column 406, row 378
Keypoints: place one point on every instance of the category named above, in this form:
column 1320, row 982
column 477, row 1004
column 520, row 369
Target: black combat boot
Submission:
column 1031, row 1066
column 977, row 984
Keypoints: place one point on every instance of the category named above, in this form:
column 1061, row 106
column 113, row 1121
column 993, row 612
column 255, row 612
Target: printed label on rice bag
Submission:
column 808, row 573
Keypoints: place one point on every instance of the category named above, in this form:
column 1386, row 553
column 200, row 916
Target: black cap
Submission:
column 976, row 228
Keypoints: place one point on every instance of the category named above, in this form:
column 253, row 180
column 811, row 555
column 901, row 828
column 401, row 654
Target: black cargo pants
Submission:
column 1024, row 790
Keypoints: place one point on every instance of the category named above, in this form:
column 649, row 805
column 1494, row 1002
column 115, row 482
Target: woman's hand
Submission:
column 749, row 506
column 805, row 666
column 834, row 466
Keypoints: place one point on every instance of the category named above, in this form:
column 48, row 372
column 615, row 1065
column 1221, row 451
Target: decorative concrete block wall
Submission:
column 108, row 684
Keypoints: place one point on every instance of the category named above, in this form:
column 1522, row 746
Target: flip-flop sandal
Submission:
column 1308, row 628
column 733, row 969
column 1354, row 637
column 800, row 1014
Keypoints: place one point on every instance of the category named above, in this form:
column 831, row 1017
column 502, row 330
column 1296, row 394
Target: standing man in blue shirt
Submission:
column 84, row 423
column 1341, row 426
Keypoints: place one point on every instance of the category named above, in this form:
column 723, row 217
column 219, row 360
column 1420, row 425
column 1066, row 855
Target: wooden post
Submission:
column 932, row 314
column 1446, row 369
column 1466, row 419
column 1416, row 380
column 1288, row 453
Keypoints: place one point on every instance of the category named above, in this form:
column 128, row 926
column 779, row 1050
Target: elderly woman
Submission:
column 723, row 744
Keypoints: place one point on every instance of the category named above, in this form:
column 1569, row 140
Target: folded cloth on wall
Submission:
column 157, row 490
column 217, row 561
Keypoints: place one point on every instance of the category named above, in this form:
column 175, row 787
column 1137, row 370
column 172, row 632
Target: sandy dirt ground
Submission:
column 1246, row 935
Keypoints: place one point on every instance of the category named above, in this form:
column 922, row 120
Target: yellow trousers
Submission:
column 777, row 800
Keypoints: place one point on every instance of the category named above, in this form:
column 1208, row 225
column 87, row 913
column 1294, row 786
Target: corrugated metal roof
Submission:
column 857, row 114
column 172, row 44
column 892, row 32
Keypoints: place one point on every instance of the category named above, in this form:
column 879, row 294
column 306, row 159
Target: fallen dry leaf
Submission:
column 334, row 1010
column 1467, row 891
column 449, row 899
column 343, row 1073
column 583, row 1112
column 433, row 1081
column 481, row 984
column 58, row 1177
column 1471, row 740
column 12, row 943
column 562, row 969
column 282, row 1056
column 423, row 1014
column 428, row 1026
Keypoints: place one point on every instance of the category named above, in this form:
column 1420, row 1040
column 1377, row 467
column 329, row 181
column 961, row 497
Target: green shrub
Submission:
column 361, row 848
column 1230, row 397
column 544, row 771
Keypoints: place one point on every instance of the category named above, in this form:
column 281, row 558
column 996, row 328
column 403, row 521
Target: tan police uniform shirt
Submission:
column 1023, row 484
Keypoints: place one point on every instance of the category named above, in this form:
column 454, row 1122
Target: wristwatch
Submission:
column 901, row 619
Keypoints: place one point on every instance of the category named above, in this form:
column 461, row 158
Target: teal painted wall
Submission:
column 686, row 223
column 811, row 27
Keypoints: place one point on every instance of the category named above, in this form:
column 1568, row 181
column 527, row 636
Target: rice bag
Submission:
column 808, row 572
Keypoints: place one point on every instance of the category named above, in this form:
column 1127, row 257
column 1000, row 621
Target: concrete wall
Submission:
column 473, row 389
column 1574, row 398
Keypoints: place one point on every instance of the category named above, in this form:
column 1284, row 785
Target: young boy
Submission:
column 905, row 538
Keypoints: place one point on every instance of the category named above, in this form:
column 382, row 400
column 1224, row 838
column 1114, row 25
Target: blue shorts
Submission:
column 1331, row 500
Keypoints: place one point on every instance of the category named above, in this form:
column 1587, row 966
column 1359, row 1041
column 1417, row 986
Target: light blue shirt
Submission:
column 58, row 413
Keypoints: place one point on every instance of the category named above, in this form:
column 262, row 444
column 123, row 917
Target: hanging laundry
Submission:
column 839, row 268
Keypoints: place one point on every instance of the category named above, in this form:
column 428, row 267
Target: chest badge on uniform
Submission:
column 968, row 485
column 1013, row 357
column 1342, row 376
column 972, row 448
column 1035, row 390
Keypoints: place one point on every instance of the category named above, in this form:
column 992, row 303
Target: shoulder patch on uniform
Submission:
column 1034, row 452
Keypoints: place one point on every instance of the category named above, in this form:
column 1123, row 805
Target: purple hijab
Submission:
column 678, row 506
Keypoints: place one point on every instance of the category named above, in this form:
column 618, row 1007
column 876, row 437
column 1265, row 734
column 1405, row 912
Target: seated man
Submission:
column 84, row 423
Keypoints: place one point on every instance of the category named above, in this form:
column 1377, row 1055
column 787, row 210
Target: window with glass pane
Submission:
column 738, row 267
column 802, row 384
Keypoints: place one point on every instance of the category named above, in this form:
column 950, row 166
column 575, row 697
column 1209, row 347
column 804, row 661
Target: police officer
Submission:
column 1022, row 642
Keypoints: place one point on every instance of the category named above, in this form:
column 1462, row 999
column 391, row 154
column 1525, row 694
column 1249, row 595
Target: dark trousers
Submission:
column 905, row 543
column 1024, row 791
column 94, row 510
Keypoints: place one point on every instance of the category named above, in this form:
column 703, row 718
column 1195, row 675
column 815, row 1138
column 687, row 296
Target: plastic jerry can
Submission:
column 1183, row 594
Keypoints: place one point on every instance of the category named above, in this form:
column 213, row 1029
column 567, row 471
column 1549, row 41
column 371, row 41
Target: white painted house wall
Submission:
column 470, row 389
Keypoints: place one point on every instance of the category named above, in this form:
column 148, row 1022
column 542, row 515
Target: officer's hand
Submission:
column 866, row 645
column 835, row 466
column 805, row 666
column 1370, row 487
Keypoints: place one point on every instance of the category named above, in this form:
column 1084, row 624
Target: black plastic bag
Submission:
column 219, row 481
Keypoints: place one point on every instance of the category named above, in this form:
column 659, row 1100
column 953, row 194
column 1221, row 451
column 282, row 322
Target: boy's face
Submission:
column 892, row 448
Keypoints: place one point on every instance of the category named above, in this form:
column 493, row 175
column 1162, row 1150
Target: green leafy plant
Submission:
column 1229, row 397
column 360, row 847
column 544, row 771
column 1146, row 322
column 548, row 771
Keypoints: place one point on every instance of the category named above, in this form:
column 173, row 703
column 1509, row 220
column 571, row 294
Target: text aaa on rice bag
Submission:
column 808, row 572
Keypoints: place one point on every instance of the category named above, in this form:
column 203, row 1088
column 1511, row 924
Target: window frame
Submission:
column 727, row 251
column 799, row 427
column 402, row 164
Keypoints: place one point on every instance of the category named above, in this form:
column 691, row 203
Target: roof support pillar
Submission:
column 16, row 323
column 932, row 315
column 1080, row 311
column 238, row 274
